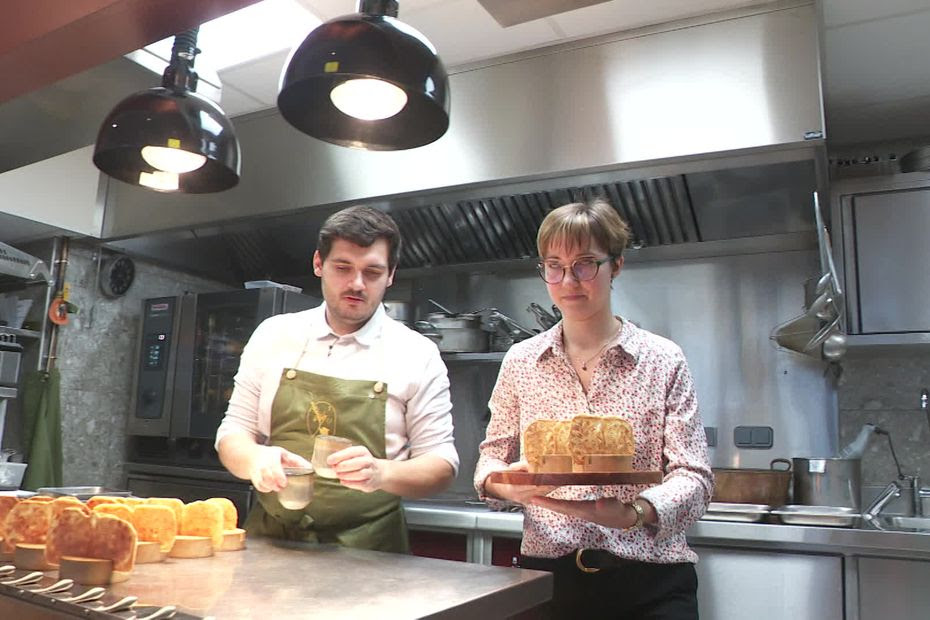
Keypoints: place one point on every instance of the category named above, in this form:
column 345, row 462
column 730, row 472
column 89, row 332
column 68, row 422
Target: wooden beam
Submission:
column 43, row 41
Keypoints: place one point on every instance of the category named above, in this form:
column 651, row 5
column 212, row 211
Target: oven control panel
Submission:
column 155, row 375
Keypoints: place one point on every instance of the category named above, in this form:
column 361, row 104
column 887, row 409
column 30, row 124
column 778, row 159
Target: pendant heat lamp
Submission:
column 170, row 139
column 368, row 81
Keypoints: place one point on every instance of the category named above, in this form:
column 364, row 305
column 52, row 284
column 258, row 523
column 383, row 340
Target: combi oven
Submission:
column 188, row 355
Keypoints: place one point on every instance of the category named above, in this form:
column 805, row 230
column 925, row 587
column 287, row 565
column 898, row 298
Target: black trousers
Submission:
column 621, row 589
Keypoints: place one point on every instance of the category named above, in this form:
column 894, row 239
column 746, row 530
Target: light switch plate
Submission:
column 754, row 437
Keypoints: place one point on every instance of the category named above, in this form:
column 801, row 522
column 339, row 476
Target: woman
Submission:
column 615, row 551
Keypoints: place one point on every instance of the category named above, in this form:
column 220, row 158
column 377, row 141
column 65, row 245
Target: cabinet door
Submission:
column 505, row 551
column 893, row 589
column 735, row 584
column 439, row 545
column 892, row 254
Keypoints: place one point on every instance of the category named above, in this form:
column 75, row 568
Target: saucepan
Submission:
column 459, row 334
column 454, row 332
column 828, row 482
column 753, row 486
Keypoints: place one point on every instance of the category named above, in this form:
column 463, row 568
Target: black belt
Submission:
column 585, row 560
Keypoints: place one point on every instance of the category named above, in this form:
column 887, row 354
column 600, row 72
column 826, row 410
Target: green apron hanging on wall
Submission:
column 305, row 405
column 42, row 417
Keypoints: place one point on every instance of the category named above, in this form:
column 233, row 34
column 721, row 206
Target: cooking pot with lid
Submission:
column 455, row 333
column 443, row 320
column 753, row 486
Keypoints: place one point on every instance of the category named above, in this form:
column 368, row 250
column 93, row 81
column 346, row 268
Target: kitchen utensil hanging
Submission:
column 818, row 332
column 543, row 317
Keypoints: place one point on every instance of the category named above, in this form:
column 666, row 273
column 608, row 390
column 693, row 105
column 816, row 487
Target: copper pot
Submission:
column 753, row 486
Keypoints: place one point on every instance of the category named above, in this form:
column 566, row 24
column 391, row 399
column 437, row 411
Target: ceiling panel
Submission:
column 464, row 32
column 259, row 78
column 235, row 102
column 838, row 13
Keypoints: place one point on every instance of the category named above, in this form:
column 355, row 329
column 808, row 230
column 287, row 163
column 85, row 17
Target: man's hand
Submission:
column 518, row 493
column 358, row 469
column 267, row 469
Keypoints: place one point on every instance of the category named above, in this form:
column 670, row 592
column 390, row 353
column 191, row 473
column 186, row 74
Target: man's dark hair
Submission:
column 362, row 226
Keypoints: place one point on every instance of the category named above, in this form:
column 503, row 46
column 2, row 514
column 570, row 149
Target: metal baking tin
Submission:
column 831, row 516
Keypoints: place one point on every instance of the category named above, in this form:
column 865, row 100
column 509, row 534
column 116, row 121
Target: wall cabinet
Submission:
column 881, row 226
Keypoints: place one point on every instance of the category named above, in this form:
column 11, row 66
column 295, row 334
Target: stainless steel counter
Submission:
column 293, row 580
column 772, row 537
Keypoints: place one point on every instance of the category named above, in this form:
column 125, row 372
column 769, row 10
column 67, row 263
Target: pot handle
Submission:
column 785, row 461
column 429, row 330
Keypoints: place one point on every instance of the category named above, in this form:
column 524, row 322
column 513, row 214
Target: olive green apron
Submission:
column 305, row 405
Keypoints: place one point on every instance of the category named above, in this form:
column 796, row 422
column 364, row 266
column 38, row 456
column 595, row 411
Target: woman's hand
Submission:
column 357, row 468
column 267, row 468
column 522, row 494
column 607, row 511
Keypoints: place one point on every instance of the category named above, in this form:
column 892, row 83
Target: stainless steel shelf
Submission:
column 497, row 356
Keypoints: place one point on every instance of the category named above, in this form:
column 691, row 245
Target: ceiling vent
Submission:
column 513, row 12
column 504, row 227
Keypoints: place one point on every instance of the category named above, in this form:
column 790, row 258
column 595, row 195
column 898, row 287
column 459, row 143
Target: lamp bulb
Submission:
column 171, row 159
column 368, row 99
column 159, row 180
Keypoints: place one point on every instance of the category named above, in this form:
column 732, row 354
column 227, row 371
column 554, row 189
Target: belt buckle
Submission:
column 580, row 564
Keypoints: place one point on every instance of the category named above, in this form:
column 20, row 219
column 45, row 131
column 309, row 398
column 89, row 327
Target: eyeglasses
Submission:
column 583, row 269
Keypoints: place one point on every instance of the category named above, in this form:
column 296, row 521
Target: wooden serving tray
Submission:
column 579, row 479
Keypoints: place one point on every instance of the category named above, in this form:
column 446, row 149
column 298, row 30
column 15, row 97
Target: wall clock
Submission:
column 117, row 275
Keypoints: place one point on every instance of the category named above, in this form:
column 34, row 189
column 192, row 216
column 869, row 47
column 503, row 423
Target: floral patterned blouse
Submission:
column 642, row 378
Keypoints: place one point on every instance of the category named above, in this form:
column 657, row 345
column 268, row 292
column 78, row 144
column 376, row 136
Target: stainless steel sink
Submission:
column 901, row 523
column 911, row 523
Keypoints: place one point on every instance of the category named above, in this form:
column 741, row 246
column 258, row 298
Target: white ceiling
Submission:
column 464, row 32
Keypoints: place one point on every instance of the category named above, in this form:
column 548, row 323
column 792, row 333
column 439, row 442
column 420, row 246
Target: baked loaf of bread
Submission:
column 97, row 535
column 557, row 446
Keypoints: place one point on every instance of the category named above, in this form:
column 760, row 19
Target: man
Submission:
column 346, row 369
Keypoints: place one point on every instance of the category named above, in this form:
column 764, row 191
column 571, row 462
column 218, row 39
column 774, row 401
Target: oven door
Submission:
column 189, row 485
column 215, row 327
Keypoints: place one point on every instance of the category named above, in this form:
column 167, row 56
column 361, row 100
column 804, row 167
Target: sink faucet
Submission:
column 904, row 480
column 890, row 492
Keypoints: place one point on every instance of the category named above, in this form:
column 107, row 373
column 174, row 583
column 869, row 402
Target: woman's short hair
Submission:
column 577, row 224
column 362, row 226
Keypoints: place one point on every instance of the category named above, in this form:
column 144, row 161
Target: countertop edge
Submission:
column 760, row 536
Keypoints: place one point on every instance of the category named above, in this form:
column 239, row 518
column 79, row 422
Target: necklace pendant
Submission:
column 584, row 366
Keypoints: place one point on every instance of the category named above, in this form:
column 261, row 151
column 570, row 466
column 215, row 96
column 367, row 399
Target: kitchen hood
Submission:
column 763, row 207
column 706, row 135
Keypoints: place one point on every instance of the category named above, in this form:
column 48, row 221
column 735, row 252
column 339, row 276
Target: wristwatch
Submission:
column 640, row 516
